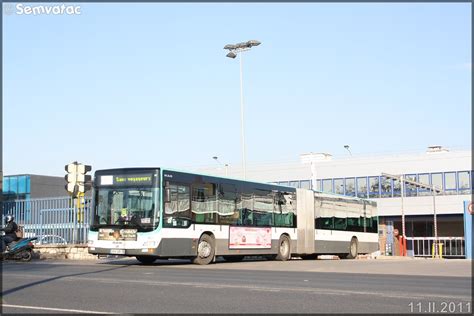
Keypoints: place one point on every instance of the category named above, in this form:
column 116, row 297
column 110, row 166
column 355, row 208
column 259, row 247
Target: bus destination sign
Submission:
column 127, row 179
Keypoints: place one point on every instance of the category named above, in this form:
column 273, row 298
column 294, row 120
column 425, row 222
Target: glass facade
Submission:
column 339, row 186
column 16, row 187
column 362, row 187
column 350, row 187
column 453, row 182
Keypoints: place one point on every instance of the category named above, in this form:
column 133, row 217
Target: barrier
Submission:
column 55, row 221
column 448, row 247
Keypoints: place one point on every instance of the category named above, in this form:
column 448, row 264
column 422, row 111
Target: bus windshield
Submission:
column 133, row 207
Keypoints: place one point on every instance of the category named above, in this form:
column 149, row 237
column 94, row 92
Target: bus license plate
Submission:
column 117, row 251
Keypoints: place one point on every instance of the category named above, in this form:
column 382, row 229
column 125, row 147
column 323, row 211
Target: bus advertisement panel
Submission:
column 250, row 238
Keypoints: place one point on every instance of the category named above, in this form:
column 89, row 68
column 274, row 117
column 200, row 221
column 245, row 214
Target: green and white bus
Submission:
column 152, row 213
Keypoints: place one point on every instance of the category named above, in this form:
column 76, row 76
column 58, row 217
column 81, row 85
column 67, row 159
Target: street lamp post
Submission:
column 347, row 147
column 235, row 49
column 226, row 165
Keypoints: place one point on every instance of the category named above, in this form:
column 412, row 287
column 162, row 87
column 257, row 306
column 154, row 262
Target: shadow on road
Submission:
column 119, row 260
column 21, row 287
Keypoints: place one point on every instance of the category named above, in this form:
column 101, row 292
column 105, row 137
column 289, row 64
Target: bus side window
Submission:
column 177, row 208
column 204, row 203
column 227, row 204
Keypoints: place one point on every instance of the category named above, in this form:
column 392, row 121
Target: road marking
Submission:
column 56, row 309
column 319, row 291
column 265, row 290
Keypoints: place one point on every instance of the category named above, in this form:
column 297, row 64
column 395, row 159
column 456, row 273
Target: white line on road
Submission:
column 56, row 309
column 319, row 291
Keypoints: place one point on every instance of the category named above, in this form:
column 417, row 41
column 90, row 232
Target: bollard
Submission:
column 439, row 250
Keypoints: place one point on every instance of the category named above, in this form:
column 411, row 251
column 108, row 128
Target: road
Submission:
column 125, row 287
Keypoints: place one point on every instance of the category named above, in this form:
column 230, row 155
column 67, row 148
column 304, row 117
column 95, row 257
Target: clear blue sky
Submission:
column 149, row 84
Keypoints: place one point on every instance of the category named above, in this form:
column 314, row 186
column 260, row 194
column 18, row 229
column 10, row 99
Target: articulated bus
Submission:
column 152, row 213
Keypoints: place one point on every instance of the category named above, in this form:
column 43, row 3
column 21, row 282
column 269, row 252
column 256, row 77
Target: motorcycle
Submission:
column 19, row 250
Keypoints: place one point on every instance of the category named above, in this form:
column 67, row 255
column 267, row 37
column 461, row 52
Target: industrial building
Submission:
column 30, row 186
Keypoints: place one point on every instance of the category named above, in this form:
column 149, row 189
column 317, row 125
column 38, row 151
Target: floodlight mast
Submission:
column 234, row 50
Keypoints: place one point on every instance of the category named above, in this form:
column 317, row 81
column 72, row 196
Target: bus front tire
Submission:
column 146, row 259
column 206, row 250
column 353, row 249
column 283, row 249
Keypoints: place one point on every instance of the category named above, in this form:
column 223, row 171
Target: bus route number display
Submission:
column 126, row 180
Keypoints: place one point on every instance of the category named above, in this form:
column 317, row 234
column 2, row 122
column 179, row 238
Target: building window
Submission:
column 437, row 180
column 362, row 187
column 450, row 182
column 463, row 181
column 327, row 186
column 386, row 187
column 374, row 190
column 318, row 185
column 22, row 184
column 350, row 186
column 425, row 179
column 339, row 186
column 396, row 188
column 14, row 185
column 306, row 184
column 410, row 189
column 28, row 185
column 6, row 185
column 295, row 184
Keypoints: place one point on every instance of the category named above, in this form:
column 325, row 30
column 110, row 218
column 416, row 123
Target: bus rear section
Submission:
column 336, row 225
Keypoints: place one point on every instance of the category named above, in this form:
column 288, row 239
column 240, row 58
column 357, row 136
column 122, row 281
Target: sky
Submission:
column 129, row 85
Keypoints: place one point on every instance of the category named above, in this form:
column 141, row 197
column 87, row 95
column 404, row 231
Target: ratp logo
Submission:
column 21, row 9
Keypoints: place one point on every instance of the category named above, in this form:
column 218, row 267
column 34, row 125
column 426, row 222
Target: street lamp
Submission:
column 226, row 165
column 347, row 147
column 234, row 50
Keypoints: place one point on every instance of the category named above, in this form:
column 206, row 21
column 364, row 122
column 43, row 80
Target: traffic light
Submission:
column 77, row 179
column 84, row 180
column 71, row 178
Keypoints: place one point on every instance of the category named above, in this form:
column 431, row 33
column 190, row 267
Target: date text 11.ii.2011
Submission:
column 440, row 307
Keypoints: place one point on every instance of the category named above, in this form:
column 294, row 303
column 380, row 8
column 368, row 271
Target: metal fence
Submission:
column 52, row 220
column 423, row 246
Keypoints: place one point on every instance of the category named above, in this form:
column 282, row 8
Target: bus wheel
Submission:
column 353, row 249
column 283, row 249
column 233, row 258
column 146, row 259
column 206, row 250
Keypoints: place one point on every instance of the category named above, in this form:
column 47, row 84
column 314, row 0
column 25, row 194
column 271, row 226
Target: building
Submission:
column 29, row 186
column 361, row 176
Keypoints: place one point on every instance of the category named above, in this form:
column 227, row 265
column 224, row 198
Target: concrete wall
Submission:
column 421, row 205
column 63, row 252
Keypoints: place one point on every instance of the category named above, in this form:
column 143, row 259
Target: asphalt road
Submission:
column 125, row 287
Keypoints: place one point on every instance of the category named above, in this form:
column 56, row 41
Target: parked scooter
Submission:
column 19, row 250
